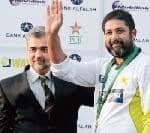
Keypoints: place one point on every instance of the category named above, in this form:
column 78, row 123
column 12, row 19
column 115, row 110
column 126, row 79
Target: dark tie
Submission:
column 49, row 97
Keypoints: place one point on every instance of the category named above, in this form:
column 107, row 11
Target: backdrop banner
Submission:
column 81, row 34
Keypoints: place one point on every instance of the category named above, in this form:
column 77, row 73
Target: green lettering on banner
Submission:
column 4, row 62
column 16, row 63
column 19, row 63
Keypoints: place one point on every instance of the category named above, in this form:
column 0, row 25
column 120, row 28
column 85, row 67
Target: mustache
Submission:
column 115, row 41
column 39, row 60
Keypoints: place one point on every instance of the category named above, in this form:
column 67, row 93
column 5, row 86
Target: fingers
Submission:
column 60, row 7
column 47, row 17
column 47, row 11
column 56, row 7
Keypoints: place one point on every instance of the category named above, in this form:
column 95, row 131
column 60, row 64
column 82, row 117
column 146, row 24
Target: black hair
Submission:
column 121, row 15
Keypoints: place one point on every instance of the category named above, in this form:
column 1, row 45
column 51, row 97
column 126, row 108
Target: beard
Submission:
column 120, row 48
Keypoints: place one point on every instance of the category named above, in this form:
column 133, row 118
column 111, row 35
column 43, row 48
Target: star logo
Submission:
column 75, row 57
column 75, row 28
column 26, row 26
column 124, row 80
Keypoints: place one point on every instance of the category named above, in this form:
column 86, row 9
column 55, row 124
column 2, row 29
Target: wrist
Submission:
column 52, row 36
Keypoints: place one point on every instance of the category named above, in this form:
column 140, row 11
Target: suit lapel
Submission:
column 17, row 89
column 27, row 92
column 57, row 86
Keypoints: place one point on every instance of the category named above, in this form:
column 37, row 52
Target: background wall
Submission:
column 81, row 33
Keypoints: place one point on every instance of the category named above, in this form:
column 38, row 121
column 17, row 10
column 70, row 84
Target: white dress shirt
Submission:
column 35, row 85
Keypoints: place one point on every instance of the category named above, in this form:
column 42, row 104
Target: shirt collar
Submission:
column 34, row 76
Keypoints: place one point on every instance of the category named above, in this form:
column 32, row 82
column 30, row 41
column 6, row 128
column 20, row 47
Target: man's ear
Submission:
column 133, row 33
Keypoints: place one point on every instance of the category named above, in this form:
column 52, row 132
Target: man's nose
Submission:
column 114, row 36
column 38, row 53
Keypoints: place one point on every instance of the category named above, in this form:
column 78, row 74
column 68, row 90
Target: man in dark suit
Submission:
column 23, row 99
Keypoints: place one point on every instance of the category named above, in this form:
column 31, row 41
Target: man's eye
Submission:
column 120, row 31
column 44, row 49
column 32, row 49
column 108, row 33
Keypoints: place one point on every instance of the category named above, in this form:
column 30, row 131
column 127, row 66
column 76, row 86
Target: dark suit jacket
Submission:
column 20, row 112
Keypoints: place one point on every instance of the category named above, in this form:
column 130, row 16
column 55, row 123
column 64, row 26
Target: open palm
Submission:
column 54, row 17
